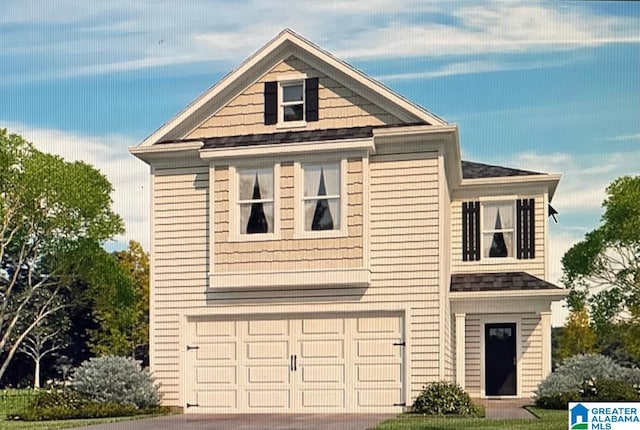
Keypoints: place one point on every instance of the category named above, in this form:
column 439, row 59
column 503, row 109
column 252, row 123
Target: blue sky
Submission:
column 549, row 86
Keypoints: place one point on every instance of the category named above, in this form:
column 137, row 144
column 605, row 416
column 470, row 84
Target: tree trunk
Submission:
column 36, row 374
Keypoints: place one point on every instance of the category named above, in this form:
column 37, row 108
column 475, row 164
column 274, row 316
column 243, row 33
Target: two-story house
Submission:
column 318, row 245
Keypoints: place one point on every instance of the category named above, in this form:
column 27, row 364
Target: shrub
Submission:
column 608, row 390
column 443, row 398
column 116, row 380
column 567, row 383
column 88, row 410
column 64, row 398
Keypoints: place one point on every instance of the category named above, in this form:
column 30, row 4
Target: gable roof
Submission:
column 499, row 281
column 472, row 170
column 284, row 45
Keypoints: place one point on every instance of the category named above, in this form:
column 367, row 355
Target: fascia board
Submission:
column 518, row 294
column 149, row 154
column 345, row 145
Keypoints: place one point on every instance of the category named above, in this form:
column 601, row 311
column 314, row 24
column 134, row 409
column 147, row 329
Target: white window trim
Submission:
column 299, row 231
column 498, row 260
column 234, row 203
column 283, row 81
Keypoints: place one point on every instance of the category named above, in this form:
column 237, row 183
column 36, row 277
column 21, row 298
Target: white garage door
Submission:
column 337, row 364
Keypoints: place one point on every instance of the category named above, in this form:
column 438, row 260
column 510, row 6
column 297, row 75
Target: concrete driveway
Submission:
column 251, row 422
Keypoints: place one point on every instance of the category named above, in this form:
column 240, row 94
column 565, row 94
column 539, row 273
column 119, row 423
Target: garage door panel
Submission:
column 378, row 372
column 268, row 375
column 377, row 398
column 377, row 348
column 378, row 325
column 222, row 351
column 223, row 375
column 219, row 399
column 331, row 399
column 323, row 326
column 322, row 349
column 323, row 374
column 268, row 350
column 268, row 328
column 216, row 328
column 272, row 399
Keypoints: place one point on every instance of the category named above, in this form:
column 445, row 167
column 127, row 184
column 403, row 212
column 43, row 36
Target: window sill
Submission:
column 291, row 124
column 253, row 237
column 297, row 278
column 320, row 234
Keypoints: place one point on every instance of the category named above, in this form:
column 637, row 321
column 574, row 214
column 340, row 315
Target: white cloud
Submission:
column 128, row 175
column 625, row 137
column 121, row 35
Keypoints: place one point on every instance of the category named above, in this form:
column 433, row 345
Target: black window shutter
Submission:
column 525, row 229
column 270, row 103
column 470, row 231
column 311, row 99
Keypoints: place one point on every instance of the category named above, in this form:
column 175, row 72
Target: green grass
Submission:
column 14, row 400
column 547, row 420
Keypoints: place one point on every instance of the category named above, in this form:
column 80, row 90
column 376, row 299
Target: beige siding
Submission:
column 529, row 350
column 179, row 261
column 338, row 107
column 404, row 251
column 289, row 253
column 535, row 266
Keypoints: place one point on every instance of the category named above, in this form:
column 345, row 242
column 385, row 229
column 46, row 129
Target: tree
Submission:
column 48, row 337
column 123, row 314
column 53, row 214
column 606, row 263
column 578, row 337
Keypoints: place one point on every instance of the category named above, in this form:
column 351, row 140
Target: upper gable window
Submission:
column 255, row 201
column 291, row 102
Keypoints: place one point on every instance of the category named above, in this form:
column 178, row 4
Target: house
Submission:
column 318, row 245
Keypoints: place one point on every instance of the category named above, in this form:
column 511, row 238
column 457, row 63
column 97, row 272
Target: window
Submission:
column 321, row 197
column 255, row 201
column 291, row 102
column 498, row 229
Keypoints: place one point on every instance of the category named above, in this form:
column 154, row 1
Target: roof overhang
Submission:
column 501, row 302
column 508, row 184
column 168, row 151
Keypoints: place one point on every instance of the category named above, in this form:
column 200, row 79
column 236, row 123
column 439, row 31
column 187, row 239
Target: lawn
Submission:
column 548, row 420
column 14, row 400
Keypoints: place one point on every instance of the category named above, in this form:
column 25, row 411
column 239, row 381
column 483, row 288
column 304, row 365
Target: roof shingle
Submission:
column 506, row 281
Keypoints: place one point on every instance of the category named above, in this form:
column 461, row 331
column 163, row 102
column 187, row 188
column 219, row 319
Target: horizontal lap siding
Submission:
column 287, row 252
column 473, row 355
column 535, row 266
column 338, row 107
column 404, row 254
column 179, row 258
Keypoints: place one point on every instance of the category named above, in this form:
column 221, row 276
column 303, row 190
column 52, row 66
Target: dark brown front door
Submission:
column 500, row 359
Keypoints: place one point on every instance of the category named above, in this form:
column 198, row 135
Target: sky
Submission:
column 548, row 86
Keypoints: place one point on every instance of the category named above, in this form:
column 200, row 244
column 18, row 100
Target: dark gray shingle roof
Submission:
column 472, row 170
column 506, row 281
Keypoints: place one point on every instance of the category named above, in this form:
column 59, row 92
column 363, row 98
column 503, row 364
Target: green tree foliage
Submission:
column 53, row 214
column 119, row 288
column 606, row 266
column 578, row 337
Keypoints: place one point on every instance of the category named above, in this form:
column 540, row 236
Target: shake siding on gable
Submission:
column 534, row 266
column 338, row 107
column 179, row 259
column 404, row 251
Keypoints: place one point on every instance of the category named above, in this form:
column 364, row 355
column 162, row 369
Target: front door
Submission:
column 500, row 359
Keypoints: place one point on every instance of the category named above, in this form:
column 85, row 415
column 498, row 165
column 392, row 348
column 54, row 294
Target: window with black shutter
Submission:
column 470, row 231
column 525, row 248
column 292, row 101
